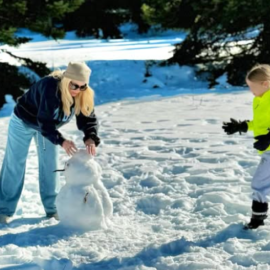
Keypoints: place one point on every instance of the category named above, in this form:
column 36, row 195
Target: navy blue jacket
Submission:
column 41, row 108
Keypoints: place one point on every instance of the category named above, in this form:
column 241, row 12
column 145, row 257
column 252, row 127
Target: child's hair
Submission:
column 259, row 73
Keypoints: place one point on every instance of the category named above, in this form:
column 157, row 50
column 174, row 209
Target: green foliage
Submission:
column 37, row 67
column 93, row 16
column 53, row 18
column 171, row 14
column 136, row 14
column 220, row 34
column 12, row 82
column 42, row 16
column 96, row 15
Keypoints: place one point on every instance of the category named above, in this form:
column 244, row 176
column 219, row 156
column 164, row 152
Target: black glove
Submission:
column 94, row 137
column 235, row 126
column 263, row 142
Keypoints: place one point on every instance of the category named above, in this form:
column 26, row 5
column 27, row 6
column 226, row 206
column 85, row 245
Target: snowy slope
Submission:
column 180, row 187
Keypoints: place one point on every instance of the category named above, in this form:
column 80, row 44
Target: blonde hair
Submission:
column 84, row 101
column 259, row 73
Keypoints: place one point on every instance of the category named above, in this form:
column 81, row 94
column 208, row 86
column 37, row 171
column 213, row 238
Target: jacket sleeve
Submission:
column 89, row 126
column 250, row 125
column 45, row 116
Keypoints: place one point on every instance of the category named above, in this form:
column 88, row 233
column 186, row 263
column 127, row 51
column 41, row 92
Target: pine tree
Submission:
column 99, row 18
column 102, row 18
column 224, row 36
column 42, row 16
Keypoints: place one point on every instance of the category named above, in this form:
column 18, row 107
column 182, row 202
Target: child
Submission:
column 258, row 80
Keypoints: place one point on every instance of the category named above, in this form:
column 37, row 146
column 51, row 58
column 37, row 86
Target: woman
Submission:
column 49, row 104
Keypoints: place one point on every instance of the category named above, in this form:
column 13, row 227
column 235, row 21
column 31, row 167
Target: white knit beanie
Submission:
column 78, row 71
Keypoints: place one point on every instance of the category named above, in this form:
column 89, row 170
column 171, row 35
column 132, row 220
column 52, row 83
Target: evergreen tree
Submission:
column 42, row 16
column 99, row 18
column 134, row 8
column 102, row 18
column 224, row 36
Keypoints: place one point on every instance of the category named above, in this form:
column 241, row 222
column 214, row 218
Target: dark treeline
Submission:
column 223, row 36
column 52, row 18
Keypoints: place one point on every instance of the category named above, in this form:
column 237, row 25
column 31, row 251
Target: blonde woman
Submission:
column 258, row 80
column 49, row 104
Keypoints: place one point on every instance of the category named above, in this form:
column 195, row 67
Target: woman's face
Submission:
column 258, row 88
column 75, row 87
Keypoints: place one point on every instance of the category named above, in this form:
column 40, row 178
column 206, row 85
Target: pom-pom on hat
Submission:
column 78, row 71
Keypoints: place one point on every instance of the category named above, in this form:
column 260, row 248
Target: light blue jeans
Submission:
column 261, row 180
column 13, row 167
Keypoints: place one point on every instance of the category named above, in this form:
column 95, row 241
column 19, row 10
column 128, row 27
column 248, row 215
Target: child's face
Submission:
column 258, row 88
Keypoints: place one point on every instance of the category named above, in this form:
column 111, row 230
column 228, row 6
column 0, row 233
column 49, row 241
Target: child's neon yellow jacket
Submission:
column 261, row 116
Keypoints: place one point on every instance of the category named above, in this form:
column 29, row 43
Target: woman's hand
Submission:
column 90, row 147
column 69, row 147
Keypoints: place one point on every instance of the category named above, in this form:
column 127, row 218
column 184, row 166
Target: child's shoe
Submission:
column 259, row 214
column 255, row 222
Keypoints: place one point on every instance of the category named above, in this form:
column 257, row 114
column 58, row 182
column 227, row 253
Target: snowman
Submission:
column 83, row 202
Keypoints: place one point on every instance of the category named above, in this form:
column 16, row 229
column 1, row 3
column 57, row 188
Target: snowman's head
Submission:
column 82, row 169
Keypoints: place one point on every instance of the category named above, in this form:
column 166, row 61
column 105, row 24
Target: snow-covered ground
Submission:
column 180, row 187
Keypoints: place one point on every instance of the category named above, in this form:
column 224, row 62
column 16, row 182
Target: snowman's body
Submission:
column 84, row 201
